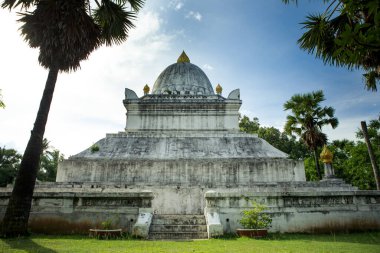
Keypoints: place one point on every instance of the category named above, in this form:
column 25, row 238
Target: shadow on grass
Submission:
column 372, row 237
column 26, row 244
column 360, row 237
column 228, row 237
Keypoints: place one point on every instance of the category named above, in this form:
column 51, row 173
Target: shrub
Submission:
column 256, row 218
column 94, row 148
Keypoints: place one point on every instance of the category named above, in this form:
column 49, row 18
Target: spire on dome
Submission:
column 146, row 89
column 183, row 58
column 326, row 155
column 218, row 89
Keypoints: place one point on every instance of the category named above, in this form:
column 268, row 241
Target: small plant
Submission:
column 256, row 218
column 94, row 148
column 107, row 224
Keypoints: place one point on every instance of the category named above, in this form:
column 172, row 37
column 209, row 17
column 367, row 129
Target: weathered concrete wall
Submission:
column 191, row 120
column 180, row 145
column 182, row 112
column 60, row 209
column 205, row 173
column 308, row 211
column 294, row 206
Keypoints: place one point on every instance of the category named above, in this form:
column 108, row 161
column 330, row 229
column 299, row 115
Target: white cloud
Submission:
column 87, row 103
column 195, row 15
column 208, row 67
column 176, row 4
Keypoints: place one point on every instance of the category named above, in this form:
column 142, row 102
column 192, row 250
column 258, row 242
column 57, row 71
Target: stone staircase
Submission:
column 178, row 227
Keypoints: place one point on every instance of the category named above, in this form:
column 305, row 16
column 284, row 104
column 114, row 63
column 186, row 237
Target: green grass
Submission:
column 358, row 242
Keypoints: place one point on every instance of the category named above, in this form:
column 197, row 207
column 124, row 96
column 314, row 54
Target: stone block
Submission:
column 142, row 225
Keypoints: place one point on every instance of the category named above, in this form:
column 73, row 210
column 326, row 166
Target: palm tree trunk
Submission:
column 372, row 157
column 15, row 221
column 317, row 164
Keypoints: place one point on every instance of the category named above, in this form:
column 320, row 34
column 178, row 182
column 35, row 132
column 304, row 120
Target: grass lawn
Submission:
column 358, row 242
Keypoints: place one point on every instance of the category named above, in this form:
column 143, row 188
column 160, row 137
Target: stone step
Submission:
column 178, row 228
column 177, row 236
column 179, row 220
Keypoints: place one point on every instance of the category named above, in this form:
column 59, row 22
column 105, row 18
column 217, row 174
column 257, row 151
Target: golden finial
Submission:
column 183, row 58
column 218, row 89
column 326, row 155
column 146, row 89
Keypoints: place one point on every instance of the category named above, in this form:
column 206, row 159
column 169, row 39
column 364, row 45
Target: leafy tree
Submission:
column 278, row 139
column 66, row 32
column 9, row 163
column 49, row 162
column 346, row 34
column 373, row 132
column 352, row 164
column 351, row 161
column 248, row 126
column 310, row 171
column 284, row 142
column 371, row 135
column 2, row 105
column 307, row 119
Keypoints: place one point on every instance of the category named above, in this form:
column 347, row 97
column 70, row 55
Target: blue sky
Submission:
column 246, row 44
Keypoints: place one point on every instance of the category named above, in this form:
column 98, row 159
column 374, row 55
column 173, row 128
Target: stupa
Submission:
column 182, row 169
column 179, row 142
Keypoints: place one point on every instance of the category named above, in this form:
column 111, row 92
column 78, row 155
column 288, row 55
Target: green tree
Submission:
column 352, row 163
column 373, row 132
column 371, row 136
column 49, row 162
column 346, row 34
column 66, row 32
column 9, row 163
column 307, row 119
column 310, row 171
column 249, row 126
column 284, row 142
column 280, row 140
column 2, row 105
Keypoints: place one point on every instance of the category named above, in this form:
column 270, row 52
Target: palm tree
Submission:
column 346, row 34
column 66, row 32
column 307, row 119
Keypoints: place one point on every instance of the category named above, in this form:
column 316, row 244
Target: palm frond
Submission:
column 296, row 1
column 135, row 4
column 24, row 4
column 319, row 38
column 2, row 105
column 370, row 80
column 308, row 118
column 114, row 21
column 63, row 31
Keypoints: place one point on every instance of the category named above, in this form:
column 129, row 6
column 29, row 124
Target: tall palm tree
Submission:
column 66, row 32
column 307, row 119
column 346, row 34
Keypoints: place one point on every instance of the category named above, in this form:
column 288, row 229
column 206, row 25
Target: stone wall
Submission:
column 301, row 211
column 181, row 112
column 74, row 208
column 205, row 173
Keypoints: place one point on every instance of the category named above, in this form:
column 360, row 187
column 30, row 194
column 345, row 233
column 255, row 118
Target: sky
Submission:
column 245, row 44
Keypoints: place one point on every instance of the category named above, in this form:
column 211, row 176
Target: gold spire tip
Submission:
column 146, row 89
column 326, row 155
column 218, row 89
column 183, row 58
